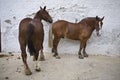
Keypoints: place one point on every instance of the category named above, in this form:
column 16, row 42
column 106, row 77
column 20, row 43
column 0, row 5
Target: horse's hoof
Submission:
column 85, row 55
column 57, row 57
column 28, row 72
column 52, row 51
column 34, row 58
column 38, row 70
column 54, row 55
column 42, row 59
column 81, row 57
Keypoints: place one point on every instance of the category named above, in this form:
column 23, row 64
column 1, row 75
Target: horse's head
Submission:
column 45, row 15
column 98, row 24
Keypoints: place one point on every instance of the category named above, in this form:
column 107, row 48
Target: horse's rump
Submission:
column 23, row 26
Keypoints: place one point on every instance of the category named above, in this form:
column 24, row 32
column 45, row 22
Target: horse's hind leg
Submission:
column 37, row 66
column 55, row 44
column 24, row 58
column 42, row 57
column 84, row 52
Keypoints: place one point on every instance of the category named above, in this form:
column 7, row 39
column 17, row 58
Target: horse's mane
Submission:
column 37, row 14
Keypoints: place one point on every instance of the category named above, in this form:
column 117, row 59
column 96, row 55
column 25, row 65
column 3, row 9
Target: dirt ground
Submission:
column 69, row 67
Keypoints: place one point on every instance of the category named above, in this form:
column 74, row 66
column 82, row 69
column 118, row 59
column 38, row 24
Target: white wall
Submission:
column 12, row 11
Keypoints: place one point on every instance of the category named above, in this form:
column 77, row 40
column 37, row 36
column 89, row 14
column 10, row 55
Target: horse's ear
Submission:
column 40, row 7
column 102, row 18
column 97, row 17
column 44, row 7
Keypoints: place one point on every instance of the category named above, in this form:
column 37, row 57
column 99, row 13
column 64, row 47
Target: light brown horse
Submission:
column 31, row 34
column 76, row 31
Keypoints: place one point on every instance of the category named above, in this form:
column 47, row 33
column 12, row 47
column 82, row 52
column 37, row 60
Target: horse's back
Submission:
column 38, row 32
column 63, row 24
column 38, row 26
column 59, row 23
column 38, row 29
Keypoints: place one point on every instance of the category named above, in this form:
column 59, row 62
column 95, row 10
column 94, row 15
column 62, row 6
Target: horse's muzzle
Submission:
column 98, row 34
column 50, row 21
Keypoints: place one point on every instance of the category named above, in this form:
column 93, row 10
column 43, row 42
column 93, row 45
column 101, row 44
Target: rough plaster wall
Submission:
column 12, row 11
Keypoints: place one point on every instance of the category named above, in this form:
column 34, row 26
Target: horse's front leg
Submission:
column 55, row 44
column 80, row 49
column 84, row 52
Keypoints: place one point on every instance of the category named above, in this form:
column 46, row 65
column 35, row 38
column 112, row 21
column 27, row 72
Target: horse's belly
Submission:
column 73, row 37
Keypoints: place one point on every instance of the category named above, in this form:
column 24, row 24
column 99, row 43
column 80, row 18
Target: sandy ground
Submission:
column 69, row 67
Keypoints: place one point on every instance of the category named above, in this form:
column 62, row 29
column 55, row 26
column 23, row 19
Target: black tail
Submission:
column 31, row 47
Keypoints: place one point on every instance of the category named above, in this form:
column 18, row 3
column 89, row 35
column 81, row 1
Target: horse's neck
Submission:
column 91, row 24
column 37, row 16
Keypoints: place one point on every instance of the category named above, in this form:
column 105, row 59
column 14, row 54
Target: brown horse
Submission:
column 31, row 34
column 76, row 31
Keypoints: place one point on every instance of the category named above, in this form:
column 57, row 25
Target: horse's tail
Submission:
column 50, row 43
column 31, row 47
